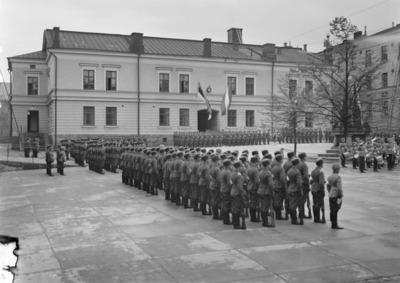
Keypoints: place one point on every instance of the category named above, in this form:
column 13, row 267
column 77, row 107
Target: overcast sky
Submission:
column 22, row 22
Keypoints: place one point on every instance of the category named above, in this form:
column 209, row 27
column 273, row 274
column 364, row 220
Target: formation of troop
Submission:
column 61, row 158
column 243, row 138
column 229, row 186
column 374, row 153
column 31, row 145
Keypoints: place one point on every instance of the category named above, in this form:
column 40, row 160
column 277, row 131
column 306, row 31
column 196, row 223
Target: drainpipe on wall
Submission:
column 272, row 96
column 138, row 89
column 55, row 100
column 10, row 106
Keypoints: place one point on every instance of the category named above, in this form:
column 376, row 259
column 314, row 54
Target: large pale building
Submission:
column 84, row 84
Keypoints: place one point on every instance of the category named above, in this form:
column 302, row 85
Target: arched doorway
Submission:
column 203, row 124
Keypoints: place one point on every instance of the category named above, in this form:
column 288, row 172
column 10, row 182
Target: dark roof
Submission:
column 161, row 46
column 41, row 55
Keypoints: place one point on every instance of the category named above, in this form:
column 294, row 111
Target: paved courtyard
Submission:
column 86, row 227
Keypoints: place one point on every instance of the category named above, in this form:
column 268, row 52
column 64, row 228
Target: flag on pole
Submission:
column 226, row 102
column 201, row 95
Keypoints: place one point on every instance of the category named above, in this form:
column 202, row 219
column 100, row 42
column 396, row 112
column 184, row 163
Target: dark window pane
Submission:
column 88, row 116
column 249, row 86
column 184, row 117
column 232, row 85
column 33, row 85
column 164, row 82
column 88, row 79
column 249, row 118
column 184, row 83
column 111, row 116
column 111, row 80
column 164, row 116
column 232, row 118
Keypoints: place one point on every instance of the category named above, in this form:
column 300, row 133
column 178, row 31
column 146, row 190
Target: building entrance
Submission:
column 33, row 121
column 203, row 124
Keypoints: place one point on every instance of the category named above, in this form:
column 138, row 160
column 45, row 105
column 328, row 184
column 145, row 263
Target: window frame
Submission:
column 250, row 121
column 159, row 117
column 169, row 80
column 116, row 116
column 237, row 83
column 368, row 57
column 27, row 84
column 295, row 90
column 94, row 116
column 228, row 117
column 384, row 55
column 83, row 78
column 254, row 85
column 384, row 81
column 189, row 80
column 116, row 79
column 184, row 117
column 307, row 91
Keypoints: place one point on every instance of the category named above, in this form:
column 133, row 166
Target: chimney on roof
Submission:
column 56, row 37
column 357, row 34
column 235, row 37
column 285, row 44
column 268, row 52
column 305, row 47
column 136, row 44
column 207, row 47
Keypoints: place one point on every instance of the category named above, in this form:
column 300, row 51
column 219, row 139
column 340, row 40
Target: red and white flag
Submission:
column 202, row 96
column 226, row 102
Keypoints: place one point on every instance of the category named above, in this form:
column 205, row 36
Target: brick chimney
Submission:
column 235, row 37
column 305, row 47
column 268, row 52
column 56, row 37
column 207, row 47
column 357, row 34
column 136, row 44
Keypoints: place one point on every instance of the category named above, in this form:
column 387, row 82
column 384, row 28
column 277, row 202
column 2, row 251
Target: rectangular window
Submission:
column 164, row 116
column 183, row 83
column 88, row 116
column 249, row 86
column 384, row 80
column 33, row 85
column 184, row 117
column 292, row 88
column 232, row 118
column 88, row 79
column 111, row 80
column 309, row 119
column 232, row 85
column 249, row 118
column 163, row 82
column 309, row 87
column 111, row 116
column 368, row 57
column 384, row 53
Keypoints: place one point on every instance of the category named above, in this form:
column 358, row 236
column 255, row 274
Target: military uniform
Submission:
column 295, row 191
column 49, row 161
column 318, row 192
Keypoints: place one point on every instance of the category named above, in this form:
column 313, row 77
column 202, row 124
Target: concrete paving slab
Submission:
column 219, row 266
column 36, row 261
column 343, row 273
column 54, row 276
column 178, row 245
column 384, row 267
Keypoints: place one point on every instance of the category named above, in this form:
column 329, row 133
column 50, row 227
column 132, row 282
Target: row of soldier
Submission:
column 31, row 144
column 227, row 183
column 245, row 138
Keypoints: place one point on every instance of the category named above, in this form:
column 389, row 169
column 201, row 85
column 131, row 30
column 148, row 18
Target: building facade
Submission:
column 88, row 84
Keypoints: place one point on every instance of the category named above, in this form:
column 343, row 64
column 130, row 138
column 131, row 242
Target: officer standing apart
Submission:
column 335, row 195
column 49, row 160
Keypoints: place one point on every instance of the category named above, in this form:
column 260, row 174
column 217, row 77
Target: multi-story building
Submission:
column 90, row 84
column 381, row 107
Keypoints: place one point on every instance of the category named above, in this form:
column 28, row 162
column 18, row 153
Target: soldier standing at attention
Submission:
column 361, row 157
column 295, row 191
column 153, row 173
column 61, row 159
column 185, row 179
column 194, row 180
column 237, row 197
column 318, row 192
column 204, row 183
column 303, row 168
column 49, row 160
column 342, row 150
column 252, row 187
column 215, row 186
column 226, row 184
column 279, row 177
column 166, row 174
column 335, row 195
column 265, row 192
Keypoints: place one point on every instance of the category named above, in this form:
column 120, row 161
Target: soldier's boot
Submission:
column 178, row 199
column 246, row 215
column 258, row 219
column 130, row 182
column 196, row 205
column 152, row 190
column 62, row 171
column 203, row 207
column 293, row 217
column 323, row 221
column 155, row 191
column 209, row 210
column 253, row 215
column 287, row 212
column 316, row 214
column 148, row 188
column 172, row 196
column 236, row 221
column 272, row 219
column 243, row 226
column 226, row 219
column 265, row 220
column 301, row 217
column 167, row 195
column 123, row 178
column 278, row 213
column 185, row 202
column 309, row 213
column 215, row 212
